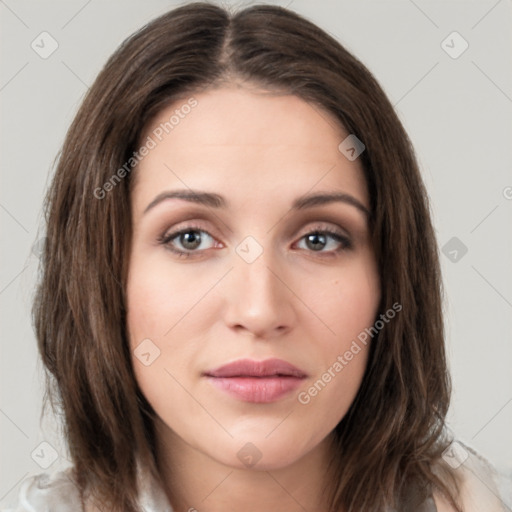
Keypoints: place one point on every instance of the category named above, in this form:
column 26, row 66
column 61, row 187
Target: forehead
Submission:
column 250, row 141
column 250, row 116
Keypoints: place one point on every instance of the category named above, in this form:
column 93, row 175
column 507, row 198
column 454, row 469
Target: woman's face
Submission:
column 255, row 275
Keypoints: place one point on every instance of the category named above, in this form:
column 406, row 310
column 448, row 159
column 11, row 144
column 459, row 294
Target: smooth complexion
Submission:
column 304, row 299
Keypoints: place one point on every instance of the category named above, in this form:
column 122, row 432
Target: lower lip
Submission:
column 257, row 389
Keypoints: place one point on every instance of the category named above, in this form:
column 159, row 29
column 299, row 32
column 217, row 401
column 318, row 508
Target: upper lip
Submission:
column 250, row 368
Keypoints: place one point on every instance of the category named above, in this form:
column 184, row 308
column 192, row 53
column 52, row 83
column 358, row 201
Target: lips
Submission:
column 250, row 368
column 257, row 381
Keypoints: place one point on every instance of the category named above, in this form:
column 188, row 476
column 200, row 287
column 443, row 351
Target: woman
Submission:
column 240, row 301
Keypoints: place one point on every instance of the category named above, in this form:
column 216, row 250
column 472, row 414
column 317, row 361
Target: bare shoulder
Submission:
column 478, row 490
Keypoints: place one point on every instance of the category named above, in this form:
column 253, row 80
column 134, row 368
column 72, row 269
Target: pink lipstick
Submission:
column 257, row 381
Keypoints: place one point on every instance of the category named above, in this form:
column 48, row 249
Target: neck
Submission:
column 194, row 481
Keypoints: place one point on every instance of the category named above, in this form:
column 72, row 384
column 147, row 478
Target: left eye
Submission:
column 318, row 240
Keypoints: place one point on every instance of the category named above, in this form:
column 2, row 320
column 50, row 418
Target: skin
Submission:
column 298, row 302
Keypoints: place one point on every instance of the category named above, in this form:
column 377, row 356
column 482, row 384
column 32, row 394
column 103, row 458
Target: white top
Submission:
column 484, row 488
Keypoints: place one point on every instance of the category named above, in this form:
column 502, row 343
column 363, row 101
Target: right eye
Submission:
column 186, row 241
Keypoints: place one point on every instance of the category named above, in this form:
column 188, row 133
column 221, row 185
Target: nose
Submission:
column 259, row 299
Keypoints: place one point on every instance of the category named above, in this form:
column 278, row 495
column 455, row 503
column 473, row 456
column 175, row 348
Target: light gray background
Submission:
column 458, row 113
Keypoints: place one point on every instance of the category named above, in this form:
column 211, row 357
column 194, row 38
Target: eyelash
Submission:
column 166, row 238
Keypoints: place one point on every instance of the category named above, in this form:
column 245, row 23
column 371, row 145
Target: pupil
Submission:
column 191, row 240
column 315, row 239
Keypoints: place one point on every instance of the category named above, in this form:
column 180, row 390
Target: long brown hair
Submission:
column 394, row 433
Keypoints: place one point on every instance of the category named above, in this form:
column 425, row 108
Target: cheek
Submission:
column 347, row 302
column 349, row 307
column 162, row 319
column 343, row 357
column 148, row 318
column 147, row 303
column 158, row 295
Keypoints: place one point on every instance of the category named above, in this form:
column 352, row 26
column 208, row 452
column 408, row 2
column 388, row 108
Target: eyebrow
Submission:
column 213, row 200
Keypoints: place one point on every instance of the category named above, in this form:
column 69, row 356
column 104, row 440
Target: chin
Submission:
column 260, row 454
